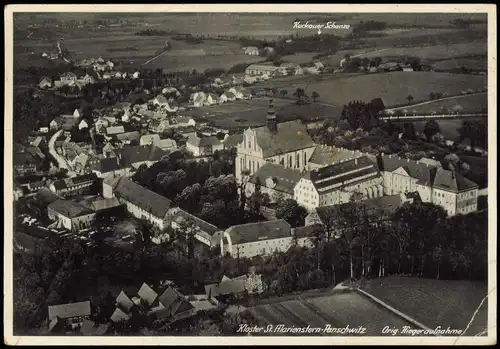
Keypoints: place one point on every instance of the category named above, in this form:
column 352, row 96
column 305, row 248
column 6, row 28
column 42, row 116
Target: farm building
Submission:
column 251, row 51
column 45, row 82
column 227, row 97
column 275, row 180
column 202, row 146
column 261, row 69
column 70, row 215
column 212, row 99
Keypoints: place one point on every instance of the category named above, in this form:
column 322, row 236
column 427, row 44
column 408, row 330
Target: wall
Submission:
column 467, row 201
column 261, row 248
column 139, row 213
column 54, row 216
column 82, row 222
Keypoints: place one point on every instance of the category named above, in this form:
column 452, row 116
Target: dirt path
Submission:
column 155, row 57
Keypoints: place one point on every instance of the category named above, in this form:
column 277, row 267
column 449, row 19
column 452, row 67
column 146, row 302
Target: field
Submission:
column 475, row 103
column 251, row 113
column 337, row 310
column 434, row 302
column 468, row 63
column 393, row 88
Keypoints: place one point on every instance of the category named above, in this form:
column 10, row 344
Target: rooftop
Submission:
column 69, row 209
column 65, row 311
column 277, row 177
column 251, row 232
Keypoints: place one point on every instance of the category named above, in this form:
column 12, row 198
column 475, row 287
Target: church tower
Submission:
column 271, row 118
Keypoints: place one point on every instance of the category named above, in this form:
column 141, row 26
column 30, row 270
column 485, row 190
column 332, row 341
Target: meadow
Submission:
column 337, row 310
column 449, row 128
column 475, row 103
column 480, row 63
column 434, row 302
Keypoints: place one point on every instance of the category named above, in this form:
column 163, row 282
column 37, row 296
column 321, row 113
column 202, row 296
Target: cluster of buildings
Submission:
column 200, row 99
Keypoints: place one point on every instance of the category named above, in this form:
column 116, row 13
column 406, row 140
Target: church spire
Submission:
column 271, row 118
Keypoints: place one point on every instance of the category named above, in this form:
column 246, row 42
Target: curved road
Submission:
column 61, row 162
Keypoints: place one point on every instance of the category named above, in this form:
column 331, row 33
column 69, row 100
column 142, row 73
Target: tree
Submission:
column 409, row 98
column 300, row 94
column 314, row 95
column 290, row 211
column 359, row 114
column 457, row 109
column 432, row 95
column 431, row 128
column 409, row 131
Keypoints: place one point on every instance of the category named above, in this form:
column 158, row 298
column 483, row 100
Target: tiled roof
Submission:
column 232, row 141
column 119, row 316
column 149, row 139
column 290, row 136
column 124, row 302
column 341, row 172
column 128, row 136
column 277, row 177
column 144, row 198
column 452, row 181
column 303, row 232
column 69, row 208
column 46, row 196
column 174, row 303
column 421, row 171
column 64, row 311
column 180, row 215
column 324, row 155
column 147, row 294
column 140, row 153
column 251, row 232
column 107, row 165
column 113, row 130
column 104, row 204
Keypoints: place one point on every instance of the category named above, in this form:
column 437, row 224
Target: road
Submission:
column 155, row 57
column 61, row 162
column 435, row 116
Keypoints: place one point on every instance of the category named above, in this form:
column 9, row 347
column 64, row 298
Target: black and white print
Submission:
column 250, row 174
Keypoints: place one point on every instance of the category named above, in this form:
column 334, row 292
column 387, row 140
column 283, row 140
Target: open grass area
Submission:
column 480, row 63
column 170, row 62
column 434, row 302
column 449, row 128
column 475, row 103
column 250, row 113
column 337, row 310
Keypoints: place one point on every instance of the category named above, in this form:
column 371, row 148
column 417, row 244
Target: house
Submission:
column 73, row 185
column 44, row 83
column 110, row 65
column 56, row 123
column 240, row 92
column 203, row 231
column 17, row 191
column 135, row 75
column 25, row 162
column 339, row 183
column 171, row 91
column 275, row 180
column 227, row 97
column 311, row 70
column 256, row 239
column 286, row 143
column 261, row 69
column 88, row 79
column 212, row 99
column 159, row 126
column 173, row 305
column 118, row 75
column 202, row 146
column 68, row 77
column 71, row 215
column 408, row 68
column 149, row 139
column 71, row 315
column 164, row 103
column 110, row 167
column 167, row 144
column 183, row 121
column 128, row 137
column 198, row 99
column 114, row 130
column 44, row 129
column 455, row 193
column 319, row 65
column 142, row 203
column 83, row 124
column 304, row 236
column 147, row 294
column 251, row 51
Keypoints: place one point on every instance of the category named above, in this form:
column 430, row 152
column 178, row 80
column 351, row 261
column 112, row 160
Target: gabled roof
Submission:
column 149, row 139
column 140, row 153
column 232, row 141
column 327, row 176
column 277, row 177
column 65, row 311
column 104, row 204
column 290, row 136
column 180, row 215
column 452, row 181
column 69, row 208
column 128, row 136
column 107, row 165
column 119, row 316
column 422, row 171
column 203, row 141
column 147, row 294
column 251, row 232
column 113, row 130
column 149, row 201
column 324, row 155
column 174, row 303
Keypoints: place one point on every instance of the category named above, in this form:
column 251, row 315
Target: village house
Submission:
column 128, row 137
column 212, row 99
column 286, row 143
column 182, row 121
column 232, row 141
column 251, row 51
column 203, row 231
column 44, row 83
column 241, row 92
column 74, row 185
column 70, row 215
column 173, row 305
column 203, row 146
column 158, row 126
column 70, row 315
column 68, row 77
column 237, row 287
column 114, row 130
column 198, row 99
column 83, row 124
column 227, row 97
column 256, row 239
column 26, row 161
column 261, row 69
column 325, row 155
column 337, row 183
column 142, row 203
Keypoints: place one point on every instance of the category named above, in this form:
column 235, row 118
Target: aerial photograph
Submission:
column 250, row 174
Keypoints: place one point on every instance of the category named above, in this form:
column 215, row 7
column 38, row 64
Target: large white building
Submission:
column 455, row 193
column 254, row 239
column 285, row 143
column 337, row 183
column 142, row 203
